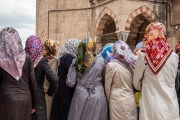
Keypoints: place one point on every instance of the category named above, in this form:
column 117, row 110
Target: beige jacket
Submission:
column 53, row 63
column 119, row 92
column 158, row 99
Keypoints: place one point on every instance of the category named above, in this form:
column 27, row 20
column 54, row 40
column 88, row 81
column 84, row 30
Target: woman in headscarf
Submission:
column 137, row 95
column 63, row 96
column 177, row 84
column 106, row 54
column 18, row 89
column 107, row 51
column 118, row 83
column 41, row 70
column 89, row 101
column 139, row 46
column 49, row 52
column 155, row 74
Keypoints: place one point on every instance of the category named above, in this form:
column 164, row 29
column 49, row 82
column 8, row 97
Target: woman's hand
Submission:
column 46, row 95
column 32, row 110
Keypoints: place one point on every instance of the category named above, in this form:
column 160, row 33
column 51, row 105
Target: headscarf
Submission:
column 157, row 50
column 50, row 48
column 70, row 47
column 139, row 45
column 123, row 54
column 33, row 47
column 12, row 55
column 138, row 48
column 85, row 55
column 106, row 52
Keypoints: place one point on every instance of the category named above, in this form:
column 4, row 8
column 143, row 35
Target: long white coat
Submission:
column 159, row 99
column 119, row 92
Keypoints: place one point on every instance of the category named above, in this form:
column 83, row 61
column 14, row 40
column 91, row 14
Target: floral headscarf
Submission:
column 12, row 55
column 33, row 47
column 157, row 50
column 50, row 48
column 106, row 52
column 122, row 53
column 70, row 47
column 85, row 55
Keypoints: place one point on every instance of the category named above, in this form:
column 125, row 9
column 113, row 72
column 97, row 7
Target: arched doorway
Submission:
column 106, row 23
column 109, row 27
column 137, row 22
column 138, row 27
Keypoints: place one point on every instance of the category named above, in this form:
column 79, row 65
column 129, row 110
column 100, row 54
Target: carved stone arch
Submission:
column 137, row 20
column 145, row 11
column 102, row 21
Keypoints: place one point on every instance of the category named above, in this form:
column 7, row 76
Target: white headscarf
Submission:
column 70, row 47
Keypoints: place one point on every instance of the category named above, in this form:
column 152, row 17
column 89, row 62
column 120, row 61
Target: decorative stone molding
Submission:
column 145, row 11
column 102, row 19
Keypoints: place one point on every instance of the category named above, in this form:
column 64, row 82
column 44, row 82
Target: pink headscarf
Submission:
column 33, row 47
column 12, row 55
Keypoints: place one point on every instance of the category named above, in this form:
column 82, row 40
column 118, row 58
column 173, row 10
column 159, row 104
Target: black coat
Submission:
column 17, row 98
column 63, row 96
column 42, row 70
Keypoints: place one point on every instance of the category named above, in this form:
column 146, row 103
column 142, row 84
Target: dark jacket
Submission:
column 17, row 98
column 41, row 70
column 177, row 84
column 62, row 98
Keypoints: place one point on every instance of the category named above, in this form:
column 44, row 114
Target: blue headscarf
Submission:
column 106, row 52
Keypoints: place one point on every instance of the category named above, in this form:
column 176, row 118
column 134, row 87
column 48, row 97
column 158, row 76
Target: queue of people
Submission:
column 115, row 84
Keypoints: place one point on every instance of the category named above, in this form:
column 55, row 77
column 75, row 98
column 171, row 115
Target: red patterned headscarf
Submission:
column 157, row 50
column 33, row 47
column 12, row 55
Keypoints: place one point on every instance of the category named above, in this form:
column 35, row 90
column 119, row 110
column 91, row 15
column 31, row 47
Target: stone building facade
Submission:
column 105, row 20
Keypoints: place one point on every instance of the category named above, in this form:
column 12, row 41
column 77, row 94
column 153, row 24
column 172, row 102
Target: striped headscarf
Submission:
column 85, row 55
column 50, row 48
column 157, row 50
column 33, row 47
column 107, row 51
column 70, row 47
column 12, row 55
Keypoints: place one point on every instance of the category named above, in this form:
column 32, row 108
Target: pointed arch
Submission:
column 102, row 19
column 146, row 12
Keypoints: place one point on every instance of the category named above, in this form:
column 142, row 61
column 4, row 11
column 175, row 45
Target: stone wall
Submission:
column 64, row 19
column 174, row 32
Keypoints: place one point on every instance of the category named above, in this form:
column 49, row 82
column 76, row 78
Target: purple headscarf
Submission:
column 123, row 55
column 33, row 47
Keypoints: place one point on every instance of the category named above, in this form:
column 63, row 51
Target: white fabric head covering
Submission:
column 70, row 47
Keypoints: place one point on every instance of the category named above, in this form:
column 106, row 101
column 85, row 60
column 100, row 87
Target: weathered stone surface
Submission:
column 67, row 22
